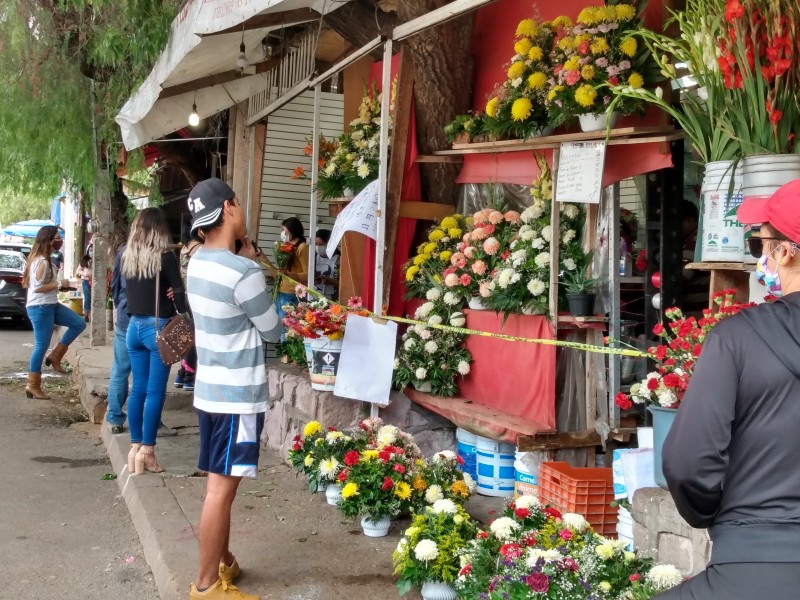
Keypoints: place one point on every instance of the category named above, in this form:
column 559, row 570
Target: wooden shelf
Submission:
column 625, row 135
column 721, row 266
column 632, row 279
column 567, row 319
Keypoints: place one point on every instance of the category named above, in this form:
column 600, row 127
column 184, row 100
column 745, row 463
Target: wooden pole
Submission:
column 312, row 255
column 380, row 242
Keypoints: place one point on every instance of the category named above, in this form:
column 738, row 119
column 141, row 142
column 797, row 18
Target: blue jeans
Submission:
column 281, row 299
column 87, row 297
column 150, row 376
column 43, row 318
column 118, row 383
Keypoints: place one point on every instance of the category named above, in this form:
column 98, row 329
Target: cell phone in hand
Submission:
column 237, row 247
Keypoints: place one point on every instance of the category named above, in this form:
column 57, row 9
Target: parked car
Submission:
column 17, row 247
column 12, row 294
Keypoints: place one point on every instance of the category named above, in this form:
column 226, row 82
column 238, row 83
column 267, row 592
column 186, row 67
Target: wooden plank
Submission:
column 425, row 211
column 435, row 17
column 572, row 439
column 552, row 142
column 729, row 280
column 721, row 266
column 399, row 144
column 568, row 137
column 259, row 132
column 433, row 158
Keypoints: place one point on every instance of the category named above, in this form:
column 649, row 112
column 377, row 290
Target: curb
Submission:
column 158, row 518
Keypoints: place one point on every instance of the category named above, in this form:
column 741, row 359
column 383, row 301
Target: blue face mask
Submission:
column 770, row 279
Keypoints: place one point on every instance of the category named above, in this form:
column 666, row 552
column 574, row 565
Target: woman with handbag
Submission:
column 150, row 269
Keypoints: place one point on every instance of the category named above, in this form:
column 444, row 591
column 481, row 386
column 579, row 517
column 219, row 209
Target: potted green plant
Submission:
column 581, row 291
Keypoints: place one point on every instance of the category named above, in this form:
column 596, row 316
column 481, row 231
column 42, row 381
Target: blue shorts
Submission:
column 229, row 444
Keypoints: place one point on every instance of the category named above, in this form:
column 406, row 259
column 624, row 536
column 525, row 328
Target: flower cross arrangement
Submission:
column 430, row 548
column 601, row 50
column 430, row 355
column 682, row 344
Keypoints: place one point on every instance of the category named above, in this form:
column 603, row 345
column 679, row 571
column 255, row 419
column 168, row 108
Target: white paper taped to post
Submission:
column 359, row 216
column 580, row 172
column 367, row 360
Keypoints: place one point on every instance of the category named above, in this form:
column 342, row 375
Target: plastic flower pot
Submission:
column 437, row 590
column 597, row 122
column 662, row 422
column 581, row 305
column 476, row 303
column 376, row 528
column 333, row 494
column 324, row 363
column 423, row 386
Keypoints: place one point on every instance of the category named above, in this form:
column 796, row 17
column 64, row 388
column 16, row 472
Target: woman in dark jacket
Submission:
column 730, row 458
column 150, row 268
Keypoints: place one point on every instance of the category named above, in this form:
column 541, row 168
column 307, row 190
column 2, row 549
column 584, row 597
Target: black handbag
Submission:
column 176, row 337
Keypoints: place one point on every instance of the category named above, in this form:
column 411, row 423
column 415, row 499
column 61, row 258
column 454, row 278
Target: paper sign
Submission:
column 359, row 216
column 367, row 360
column 580, row 172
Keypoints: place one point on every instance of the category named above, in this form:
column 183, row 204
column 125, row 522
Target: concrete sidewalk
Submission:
column 290, row 544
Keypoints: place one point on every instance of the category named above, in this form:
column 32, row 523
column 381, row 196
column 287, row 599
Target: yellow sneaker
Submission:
column 222, row 590
column 229, row 573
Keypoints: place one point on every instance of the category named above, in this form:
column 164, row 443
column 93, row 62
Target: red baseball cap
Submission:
column 781, row 210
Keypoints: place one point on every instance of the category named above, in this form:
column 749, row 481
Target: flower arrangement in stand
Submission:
column 442, row 478
column 304, row 453
column 330, row 460
column 428, row 554
column 326, row 150
column 354, row 161
column 601, row 50
column 425, row 270
column 432, row 359
column 522, row 280
column 320, row 317
column 676, row 356
column 517, row 108
column 534, row 552
column 480, row 253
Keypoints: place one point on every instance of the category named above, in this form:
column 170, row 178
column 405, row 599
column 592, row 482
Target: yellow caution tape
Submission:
column 499, row 336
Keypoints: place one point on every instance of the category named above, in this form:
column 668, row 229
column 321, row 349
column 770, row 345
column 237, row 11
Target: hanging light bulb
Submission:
column 241, row 61
column 194, row 118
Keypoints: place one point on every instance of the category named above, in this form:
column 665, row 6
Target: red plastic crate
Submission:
column 586, row 491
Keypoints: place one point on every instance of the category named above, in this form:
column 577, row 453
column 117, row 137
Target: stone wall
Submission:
column 660, row 533
column 293, row 403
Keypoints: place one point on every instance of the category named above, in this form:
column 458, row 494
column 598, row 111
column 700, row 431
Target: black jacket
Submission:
column 732, row 457
column 141, row 293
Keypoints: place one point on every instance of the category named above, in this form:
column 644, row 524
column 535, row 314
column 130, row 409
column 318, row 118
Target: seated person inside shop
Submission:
column 326, row 280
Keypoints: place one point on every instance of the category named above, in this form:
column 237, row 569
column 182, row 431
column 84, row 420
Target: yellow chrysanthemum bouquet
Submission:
column 424, row 270
column 517, row 108
column 600, row 51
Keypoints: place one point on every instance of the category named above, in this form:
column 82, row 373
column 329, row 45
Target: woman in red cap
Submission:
column 730, row 459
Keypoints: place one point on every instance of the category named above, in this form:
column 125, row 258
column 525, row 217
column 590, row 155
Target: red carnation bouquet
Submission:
column 682, row 344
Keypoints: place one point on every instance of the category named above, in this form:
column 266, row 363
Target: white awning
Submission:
column 198, row 65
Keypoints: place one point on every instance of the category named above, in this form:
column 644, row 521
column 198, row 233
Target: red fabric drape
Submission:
column 516, row 378
column 412, row 191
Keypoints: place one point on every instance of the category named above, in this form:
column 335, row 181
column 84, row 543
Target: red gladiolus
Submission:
column 400, row 469
column 733, row 10
column 522, row 513
column 351, row 458
column 387, row 484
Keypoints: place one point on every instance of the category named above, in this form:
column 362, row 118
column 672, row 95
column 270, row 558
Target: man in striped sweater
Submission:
column 233, row 316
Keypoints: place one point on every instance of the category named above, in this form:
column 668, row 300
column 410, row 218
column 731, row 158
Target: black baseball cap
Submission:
column 205, row 202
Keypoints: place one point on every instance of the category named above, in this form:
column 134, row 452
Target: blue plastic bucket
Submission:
column 468, row 451
column 496, row 475
column 662, row 421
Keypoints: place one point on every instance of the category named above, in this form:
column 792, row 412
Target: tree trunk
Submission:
column 443, row 69
column 360, row 22
column 181, row 156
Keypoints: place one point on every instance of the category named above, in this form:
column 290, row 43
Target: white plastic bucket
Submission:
column 495, row 467
column 526, row 473
column 324, row 363
column 625, row 524
column 468, row 451
column 620, row 490
column 721, row 235
column 763, row 174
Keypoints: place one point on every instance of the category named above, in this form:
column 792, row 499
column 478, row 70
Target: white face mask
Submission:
column 285, row 237
column 322, row 251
